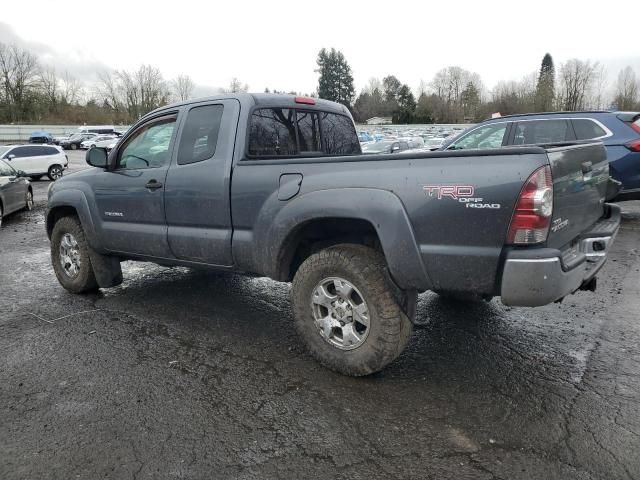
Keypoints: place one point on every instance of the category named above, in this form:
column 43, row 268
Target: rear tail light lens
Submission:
column 532, row 216
column 636, row 125
column 634, row 146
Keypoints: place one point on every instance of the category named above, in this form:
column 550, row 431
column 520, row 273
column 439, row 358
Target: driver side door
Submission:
column 130, row 196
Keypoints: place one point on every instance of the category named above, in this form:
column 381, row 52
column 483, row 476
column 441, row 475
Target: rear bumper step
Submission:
column 536, row 277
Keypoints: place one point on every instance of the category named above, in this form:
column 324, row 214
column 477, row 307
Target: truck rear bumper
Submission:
column 536, row 277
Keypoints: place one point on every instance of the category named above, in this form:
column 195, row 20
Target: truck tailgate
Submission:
column 580, row 175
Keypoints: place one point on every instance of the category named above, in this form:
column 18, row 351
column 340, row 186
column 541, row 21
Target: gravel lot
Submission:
column 183, row 374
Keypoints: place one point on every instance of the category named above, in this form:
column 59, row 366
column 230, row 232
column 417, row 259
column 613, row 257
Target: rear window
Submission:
column 272, row 133
column 277, row 132
column 587, row 129
column 339, row 134
column 541, row 131
column 49, row 151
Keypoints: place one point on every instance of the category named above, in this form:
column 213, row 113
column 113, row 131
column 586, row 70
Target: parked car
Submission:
column 434, row 143
column 107, row 144
column 15, row 191
column 619, row 131
column 60, row 138
column 385, row 146
column 90, row 143
column 36, row 160
column 359, row 236
column 99, row 129
column 40, row 136
column 74, row 141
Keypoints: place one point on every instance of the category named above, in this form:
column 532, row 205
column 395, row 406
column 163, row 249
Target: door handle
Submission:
column 153, row 184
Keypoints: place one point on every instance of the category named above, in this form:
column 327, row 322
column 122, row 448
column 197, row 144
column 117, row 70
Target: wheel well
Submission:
column 56, row 214
column 319, row 234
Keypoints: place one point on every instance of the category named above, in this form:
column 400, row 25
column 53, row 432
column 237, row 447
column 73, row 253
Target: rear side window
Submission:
column 541, row 131
column 587, row 129
column 272, row 133
column 49, row 151
column 339, row 134
column 200, row 134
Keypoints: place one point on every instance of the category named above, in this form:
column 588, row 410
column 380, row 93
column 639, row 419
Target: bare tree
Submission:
column 109, row 91
column 627, row 90
column 49, row 85
column 577, row 78
column 182, row 87
column 19, row 77
column 236, row 86
column 70, row 89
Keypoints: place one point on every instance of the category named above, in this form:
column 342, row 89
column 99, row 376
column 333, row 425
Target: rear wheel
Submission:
column 55, row 172
column 28, row 200
column 70, row 256
column 1, row 214
column 346, row 312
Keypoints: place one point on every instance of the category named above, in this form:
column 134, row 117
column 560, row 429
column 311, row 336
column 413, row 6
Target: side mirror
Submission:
column 22, row 173
column 97, row 157
column 11, row 157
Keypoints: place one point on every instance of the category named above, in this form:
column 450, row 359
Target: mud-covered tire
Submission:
column 389, row 328
column 84, row 280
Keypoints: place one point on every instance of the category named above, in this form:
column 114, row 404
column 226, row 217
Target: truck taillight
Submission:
column 532, row 215
column 634, row 145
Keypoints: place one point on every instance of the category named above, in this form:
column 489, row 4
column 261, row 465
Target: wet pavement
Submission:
column 184, row 374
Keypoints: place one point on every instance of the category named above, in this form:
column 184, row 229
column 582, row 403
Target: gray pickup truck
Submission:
column 276, row 185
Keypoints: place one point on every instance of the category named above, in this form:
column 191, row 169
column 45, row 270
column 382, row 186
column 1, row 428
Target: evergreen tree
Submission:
column 470, row 101
column 336, row 81
column 406, row 106
column 545, row 89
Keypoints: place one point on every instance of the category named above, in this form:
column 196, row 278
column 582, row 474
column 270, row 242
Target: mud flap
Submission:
column 106, row 269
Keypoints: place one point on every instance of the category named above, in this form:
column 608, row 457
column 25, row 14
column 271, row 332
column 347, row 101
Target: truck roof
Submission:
column 267, row 100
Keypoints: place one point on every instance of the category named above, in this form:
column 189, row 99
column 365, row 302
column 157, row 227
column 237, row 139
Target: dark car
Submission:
column 74, row 141
column 15, row 191
column 618, row 131
column 40, row 137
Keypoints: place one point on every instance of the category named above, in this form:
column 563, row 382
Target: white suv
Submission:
column 36, row 160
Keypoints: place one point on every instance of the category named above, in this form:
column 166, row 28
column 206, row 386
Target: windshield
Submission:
column 75, row 136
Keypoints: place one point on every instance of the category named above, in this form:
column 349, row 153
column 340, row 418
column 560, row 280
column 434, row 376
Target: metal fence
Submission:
column 21, row 133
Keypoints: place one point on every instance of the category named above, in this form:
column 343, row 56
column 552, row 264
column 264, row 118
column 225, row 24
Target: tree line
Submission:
column 32, row 92
column 456, row 95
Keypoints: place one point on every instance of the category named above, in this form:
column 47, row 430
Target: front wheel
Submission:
column 346, row 312
column 70, row 256
column 28, row 201
column 55, row 172
column 74, row 146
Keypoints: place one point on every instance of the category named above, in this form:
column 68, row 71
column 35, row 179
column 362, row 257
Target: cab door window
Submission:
column 488, row 136
column 149, row 146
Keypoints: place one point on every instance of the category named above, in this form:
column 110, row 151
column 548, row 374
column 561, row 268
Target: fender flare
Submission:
column 77, row 200
column 381, row 208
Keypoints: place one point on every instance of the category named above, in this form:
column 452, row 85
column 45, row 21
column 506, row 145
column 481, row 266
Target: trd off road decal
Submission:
column 460, row 193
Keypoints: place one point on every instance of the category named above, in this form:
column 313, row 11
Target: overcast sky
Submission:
column 274, row 43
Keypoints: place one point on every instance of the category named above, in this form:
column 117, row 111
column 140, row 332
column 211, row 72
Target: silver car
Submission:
column 15, row 191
